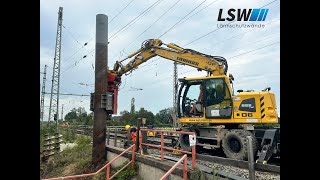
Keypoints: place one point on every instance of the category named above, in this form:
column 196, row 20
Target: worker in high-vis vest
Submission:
column 133, row 133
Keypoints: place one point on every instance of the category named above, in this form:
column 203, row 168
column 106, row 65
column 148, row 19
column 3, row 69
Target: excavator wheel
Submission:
column 235, row 145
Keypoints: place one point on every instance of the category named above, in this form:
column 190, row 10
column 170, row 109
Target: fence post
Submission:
column 133, row 153
column 162, row 144
column 115, row 137
column 108, row 172
column 138, row 134
column 108, row 136
column 250, row 159
column 185, row 167
column 193, row 157
column 144, row 139
column 140, row 143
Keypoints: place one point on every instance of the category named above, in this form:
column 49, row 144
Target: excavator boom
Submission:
column 214, row 65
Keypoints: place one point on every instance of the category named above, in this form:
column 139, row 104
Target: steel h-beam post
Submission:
column 250, row 159
column 100, row 114
column 175, row 92
column 139, row 120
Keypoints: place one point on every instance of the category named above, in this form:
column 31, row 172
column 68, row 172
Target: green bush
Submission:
column 197, row 174
column 127, row 173
column 83, row 141
column 69, row 135
column 84, row 163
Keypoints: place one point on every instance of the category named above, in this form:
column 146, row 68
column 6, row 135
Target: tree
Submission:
column 71, row 115
column 164, row 116
column 131, row 118
column 127, row 117
column 124, row 112
column 89, row 119
column 78, row 114
column 142, row 113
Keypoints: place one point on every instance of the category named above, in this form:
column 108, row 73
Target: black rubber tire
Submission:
column 235, row 145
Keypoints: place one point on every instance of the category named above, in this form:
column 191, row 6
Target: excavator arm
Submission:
column 214, row 65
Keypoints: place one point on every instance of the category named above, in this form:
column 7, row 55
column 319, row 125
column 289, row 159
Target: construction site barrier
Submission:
column 107, row 166
column 162, row 147
column 185, row 168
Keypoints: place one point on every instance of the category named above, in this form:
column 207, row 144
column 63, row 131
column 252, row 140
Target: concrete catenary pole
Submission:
column 101, row 67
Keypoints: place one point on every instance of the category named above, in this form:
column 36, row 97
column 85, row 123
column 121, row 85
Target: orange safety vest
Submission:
column 133, row 136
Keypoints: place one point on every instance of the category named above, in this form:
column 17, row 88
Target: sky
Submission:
column 253, row 54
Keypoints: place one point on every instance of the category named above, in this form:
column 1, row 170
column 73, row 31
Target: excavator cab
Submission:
column 214, row 101
column 193, row 102
column 218, row 101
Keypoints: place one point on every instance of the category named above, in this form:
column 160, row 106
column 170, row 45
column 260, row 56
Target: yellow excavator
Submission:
column 220, row 118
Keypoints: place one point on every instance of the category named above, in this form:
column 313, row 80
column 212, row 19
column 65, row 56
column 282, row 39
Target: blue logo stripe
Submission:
column 261, row 14
column 254, row 14
column 265, row 14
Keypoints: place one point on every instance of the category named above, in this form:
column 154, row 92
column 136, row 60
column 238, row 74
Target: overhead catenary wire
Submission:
column 77, row 62
column 253, row 50
column 267, row 37
column 114, row 17
column 120, row 11
column 198, row 12
column 70, row 94
column 181, row 19
column 112, row 37
column 82, row 46
column 162, row 15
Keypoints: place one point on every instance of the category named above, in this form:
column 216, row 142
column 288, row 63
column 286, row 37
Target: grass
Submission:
column 77, row 160
column 127, row 173
column 71, row 161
